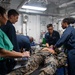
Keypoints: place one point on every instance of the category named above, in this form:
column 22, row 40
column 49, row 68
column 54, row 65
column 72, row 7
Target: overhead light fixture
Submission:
column 73, row 16
column 30, row 11
column 34, row 8
column 66, row 4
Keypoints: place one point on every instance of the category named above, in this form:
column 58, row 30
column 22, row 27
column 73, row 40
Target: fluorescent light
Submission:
column 34, row 8
column 66, row 4
column 73, row 16
column 30, row 11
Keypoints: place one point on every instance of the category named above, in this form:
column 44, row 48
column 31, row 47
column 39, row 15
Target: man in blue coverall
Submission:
column 68, row 40
column 9, row 29
column 51, row 36
column 23, row 42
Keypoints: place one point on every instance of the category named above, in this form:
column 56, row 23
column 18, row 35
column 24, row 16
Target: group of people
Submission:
column 8, row 41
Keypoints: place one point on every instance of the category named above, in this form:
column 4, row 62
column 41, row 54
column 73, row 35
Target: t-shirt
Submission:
column 5, row 43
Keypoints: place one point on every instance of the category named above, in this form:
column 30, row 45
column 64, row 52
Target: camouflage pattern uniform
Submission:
column 51, row 63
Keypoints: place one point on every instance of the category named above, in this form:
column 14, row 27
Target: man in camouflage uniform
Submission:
column 51, row 63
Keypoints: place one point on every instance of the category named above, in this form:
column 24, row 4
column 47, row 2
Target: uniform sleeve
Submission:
column 58, row 37
column 1, row 42
column 65, row 36
column 46, row 38
column 13, row 38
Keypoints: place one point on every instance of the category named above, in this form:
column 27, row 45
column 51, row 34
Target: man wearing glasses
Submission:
column 51, row 36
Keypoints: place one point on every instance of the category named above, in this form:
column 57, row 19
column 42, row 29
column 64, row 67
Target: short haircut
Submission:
column 12, row 12
column 2, row 11
column 49, row 25
column 69, row 20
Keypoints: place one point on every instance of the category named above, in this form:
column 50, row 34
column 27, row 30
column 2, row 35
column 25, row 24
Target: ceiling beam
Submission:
column 22, row 3
column 66, row 4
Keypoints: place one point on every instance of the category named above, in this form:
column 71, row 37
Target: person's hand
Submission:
column 26, row 54
column 45, row 49
column 52, row 51
column 49, row 50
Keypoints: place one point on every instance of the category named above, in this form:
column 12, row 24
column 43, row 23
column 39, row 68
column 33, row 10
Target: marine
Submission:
column 50, row 63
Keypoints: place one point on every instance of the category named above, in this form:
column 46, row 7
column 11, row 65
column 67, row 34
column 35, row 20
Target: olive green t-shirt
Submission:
column 5, row 43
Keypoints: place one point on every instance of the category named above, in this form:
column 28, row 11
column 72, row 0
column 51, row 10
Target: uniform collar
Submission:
column 9, row 21
column 52, row 33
